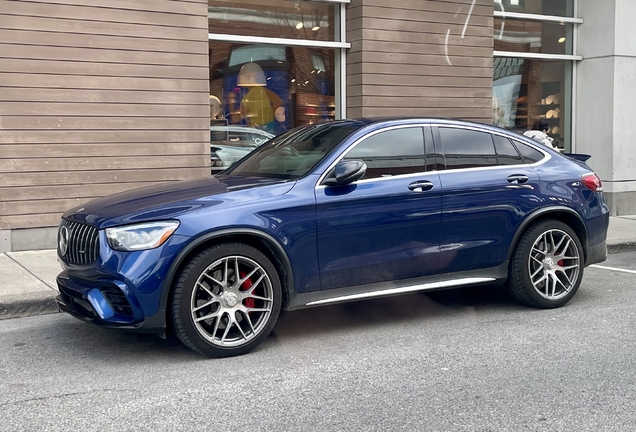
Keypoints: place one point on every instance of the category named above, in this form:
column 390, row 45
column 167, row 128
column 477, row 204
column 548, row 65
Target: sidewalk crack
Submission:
column 31, row 273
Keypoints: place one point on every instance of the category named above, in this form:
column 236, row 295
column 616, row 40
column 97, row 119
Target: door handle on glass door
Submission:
column 421, row 186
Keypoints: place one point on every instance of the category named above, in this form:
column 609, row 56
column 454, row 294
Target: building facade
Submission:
column 102, row 96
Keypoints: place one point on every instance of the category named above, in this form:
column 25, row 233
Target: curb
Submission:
column 629, row 246
column 28, row 308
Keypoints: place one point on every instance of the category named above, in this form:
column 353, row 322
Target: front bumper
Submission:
column 106, row 303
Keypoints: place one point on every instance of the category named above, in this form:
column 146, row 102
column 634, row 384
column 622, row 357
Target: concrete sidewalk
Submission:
column 27, row 283
column 27, row 279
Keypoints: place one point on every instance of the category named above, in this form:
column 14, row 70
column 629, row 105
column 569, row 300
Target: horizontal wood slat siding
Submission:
column 420, row 57
column 92, row 177
column 103, row 83
column 103, row 42
column 98, row 97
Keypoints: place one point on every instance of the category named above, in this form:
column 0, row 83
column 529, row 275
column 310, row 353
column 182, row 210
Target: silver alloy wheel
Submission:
column 232, row 301
column 554, row 264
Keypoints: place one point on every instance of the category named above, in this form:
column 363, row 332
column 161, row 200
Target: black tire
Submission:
column 231, row 317
column 535, row 258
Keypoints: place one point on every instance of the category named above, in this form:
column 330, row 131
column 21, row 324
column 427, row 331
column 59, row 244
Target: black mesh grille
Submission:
column 117, row 300
column 75, row 300
column 82, row 242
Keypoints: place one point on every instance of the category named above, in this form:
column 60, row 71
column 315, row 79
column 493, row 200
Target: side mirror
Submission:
column 346, row 172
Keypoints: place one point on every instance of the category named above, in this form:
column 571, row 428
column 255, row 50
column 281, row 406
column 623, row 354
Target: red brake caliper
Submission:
column 560, row 263
column 249, row 302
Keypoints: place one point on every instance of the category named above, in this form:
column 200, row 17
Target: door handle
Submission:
column 421, row 186
column 517, row 178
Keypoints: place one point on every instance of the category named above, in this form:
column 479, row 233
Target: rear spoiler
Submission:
column 578, row 156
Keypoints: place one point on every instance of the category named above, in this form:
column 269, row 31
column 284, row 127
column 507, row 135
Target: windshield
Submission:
column 295, row 153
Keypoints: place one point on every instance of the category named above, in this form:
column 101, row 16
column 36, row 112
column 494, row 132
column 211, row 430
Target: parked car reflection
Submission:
column 229, row 144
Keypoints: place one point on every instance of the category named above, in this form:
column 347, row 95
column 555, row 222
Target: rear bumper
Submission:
column 596, row 254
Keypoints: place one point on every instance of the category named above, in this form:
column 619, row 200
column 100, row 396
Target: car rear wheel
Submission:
column 547, row 265
column 226, row 300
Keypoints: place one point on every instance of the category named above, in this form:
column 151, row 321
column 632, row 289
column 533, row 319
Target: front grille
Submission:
column 80, row 241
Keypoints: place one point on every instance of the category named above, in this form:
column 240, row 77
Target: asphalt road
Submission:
column 471, row 360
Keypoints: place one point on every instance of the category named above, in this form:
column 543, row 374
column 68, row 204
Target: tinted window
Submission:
column 294, row 153
column 464, row 148
column 506, row 152
column 394, row 152
column 530, row 155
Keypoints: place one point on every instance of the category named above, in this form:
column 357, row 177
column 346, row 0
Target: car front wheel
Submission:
column 226, row 300
column 547, row 265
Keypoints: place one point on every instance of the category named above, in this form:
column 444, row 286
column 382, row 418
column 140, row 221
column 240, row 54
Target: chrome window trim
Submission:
column 538, row 17
column 276, row 41
column 358, row 141
column 328, row 1
column 538, row 56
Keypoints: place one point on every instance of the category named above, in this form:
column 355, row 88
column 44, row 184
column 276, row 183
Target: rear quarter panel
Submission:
column 561, row 185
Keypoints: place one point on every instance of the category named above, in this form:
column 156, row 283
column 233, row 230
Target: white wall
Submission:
column 625, row 97
column 606, row 97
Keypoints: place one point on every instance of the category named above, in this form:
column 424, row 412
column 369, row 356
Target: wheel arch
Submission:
column 259, row 240
column 564, row 214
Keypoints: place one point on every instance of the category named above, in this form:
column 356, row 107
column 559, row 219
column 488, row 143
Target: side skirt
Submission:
column 391, row 288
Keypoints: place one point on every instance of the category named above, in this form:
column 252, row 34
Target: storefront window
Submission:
column 563, row 8
column 533, row 66
column 274, row 18
column 272, row 68
column 271, row 88
column 527, row 90
column 533, row 36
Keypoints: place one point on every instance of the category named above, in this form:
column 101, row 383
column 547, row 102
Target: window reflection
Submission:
column 525, row 91
column 391, row 153
column 273, row 18
column 266, row 88
column 543, row 7
column 532, row 36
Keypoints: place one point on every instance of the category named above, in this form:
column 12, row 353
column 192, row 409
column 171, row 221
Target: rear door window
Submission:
column 466, row 148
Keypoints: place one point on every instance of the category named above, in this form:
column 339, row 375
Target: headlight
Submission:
column 141, row 236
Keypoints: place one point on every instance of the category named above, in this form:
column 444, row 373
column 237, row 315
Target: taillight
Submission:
column 592, row 182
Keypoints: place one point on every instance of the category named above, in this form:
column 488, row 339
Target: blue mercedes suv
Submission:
column 329, row 213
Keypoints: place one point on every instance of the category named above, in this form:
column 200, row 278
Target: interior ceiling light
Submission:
column 316, row 28
column 251, row 75
column 561, row 39
column 300, row 25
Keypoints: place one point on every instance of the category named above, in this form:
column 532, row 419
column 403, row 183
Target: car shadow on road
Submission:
column 85, row 340
column 396, row 310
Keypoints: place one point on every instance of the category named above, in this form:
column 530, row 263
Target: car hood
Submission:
column 169, row 200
